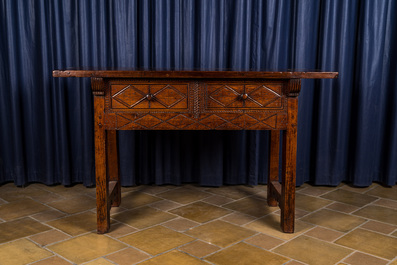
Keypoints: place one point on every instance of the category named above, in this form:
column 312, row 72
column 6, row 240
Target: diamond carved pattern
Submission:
column 180, row 121
column 136, row 96
column 189, row 105
column 226, row 95
column 257, row 96
column 169, row 96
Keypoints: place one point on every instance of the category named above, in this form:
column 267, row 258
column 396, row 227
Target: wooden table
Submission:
column 195, row 100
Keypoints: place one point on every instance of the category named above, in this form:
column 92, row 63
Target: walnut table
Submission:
column 195, row 100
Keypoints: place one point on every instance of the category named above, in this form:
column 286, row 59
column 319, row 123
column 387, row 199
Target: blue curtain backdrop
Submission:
column 347, row 127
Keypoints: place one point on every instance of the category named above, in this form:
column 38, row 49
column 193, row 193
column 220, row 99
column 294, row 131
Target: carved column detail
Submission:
column 97, row 86
column 294, row 87
column 196, row 100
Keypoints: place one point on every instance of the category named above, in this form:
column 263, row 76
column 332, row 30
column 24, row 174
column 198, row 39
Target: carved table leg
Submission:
column 113, row 167
column 287, row 202
column 102, row 184
column 272, row 183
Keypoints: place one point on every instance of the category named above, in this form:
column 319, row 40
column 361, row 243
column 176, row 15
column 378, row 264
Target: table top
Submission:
column 198, row 74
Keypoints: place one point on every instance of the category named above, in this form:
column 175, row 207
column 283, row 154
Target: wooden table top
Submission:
column 126, row 73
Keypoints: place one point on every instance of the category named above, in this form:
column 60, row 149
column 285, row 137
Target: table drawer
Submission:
column 148, row 95
column 245, row 95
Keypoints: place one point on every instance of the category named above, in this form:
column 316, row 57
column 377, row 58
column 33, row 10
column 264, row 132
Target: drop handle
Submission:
column 149, row 97
column 244, row 96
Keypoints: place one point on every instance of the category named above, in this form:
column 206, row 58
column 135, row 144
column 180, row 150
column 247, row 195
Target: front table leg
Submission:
column 102, row 184
column 289, row 145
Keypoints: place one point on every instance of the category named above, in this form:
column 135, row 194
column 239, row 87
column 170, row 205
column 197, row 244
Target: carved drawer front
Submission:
column 246, row 95
column 140, row 95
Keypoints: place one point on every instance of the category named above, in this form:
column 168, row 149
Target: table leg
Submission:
column 102, row 184
column 287, row 202
column 113, row 168
column 272, row 181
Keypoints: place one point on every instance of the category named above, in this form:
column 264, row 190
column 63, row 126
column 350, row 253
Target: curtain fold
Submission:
column 347, row 127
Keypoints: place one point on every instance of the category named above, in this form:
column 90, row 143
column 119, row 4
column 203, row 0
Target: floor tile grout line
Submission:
column 366, row 253
column 355, row 228
column 242, row 225
column 49, row 250
column 380, row 198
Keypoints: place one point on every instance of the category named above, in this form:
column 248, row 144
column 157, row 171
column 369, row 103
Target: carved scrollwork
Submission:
column 97, row 86
column 294, row 87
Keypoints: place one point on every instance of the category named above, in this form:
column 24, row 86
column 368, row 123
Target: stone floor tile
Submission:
column 310, row 203
column 143, row 217
column 87, row 247
column 384, row 192
column 334, row 220
column 165, row 205
column 200, row 212
column 21, row 252
column 246, row 254
column 264, row 241
column 379, row 227
column 173, row 258
column 119, row 229
column 394, row 262
column 156, row 240
column 349, row 187
column 359, row 258
column 49, row 237
column 69, row 191
column 370, row 242
column 48, row 215
column 348, row 197
column 127, row 256
column 199, row 248
column 180, row 224
column 218, row 200
column 20, row 228
column 386, row 203
column 21, row 208
column 299, row 213
column 184, row 195
column 270, row 225
column 235, row 192
column 342, row 207
column 251, row 206
column 313, row 251
column 157, row 189
column 132, row 200
column 324, row 234
column 238, row 218
column 220, row 233
column 115, row 210
column 315, row 190
column 54, row 260
column 31, row 192
column 378, row 213
column 75, row 204
column 100, row 261
column 76, row 224
column 295, row 262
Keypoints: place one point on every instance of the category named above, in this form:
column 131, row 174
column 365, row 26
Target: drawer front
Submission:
column 244, row 95
column 195, row 105
column 148, row 95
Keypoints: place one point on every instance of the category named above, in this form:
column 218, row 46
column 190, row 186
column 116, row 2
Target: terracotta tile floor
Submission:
column 198, row 225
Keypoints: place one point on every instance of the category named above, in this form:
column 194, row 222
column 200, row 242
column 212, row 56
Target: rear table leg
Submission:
column 113, row 167
column 272, row 196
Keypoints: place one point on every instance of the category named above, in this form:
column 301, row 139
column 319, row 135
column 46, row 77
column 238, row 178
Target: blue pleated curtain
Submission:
column 347, row 127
